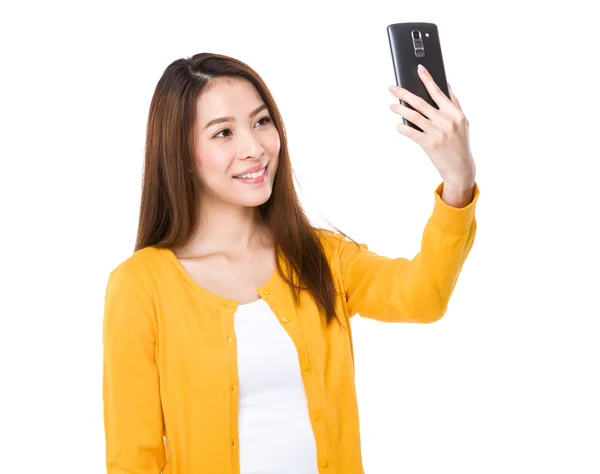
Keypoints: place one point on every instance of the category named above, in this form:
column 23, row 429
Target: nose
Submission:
column 249, row 146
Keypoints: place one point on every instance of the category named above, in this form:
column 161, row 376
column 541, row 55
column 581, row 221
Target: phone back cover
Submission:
column 405, row 60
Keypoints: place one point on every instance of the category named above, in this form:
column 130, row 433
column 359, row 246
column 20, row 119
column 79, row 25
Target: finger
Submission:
column 413, row 134
column 415, row 117
column 434, row 91
column 453, row 98
column 418, row 103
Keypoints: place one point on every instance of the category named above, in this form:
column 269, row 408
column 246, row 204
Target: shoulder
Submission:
column 130, row 297
column 329, row 239
column 140, row 264
column 336, row 242
column 336, row 239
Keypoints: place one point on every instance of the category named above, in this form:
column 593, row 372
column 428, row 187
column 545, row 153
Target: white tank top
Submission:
column 275, row 432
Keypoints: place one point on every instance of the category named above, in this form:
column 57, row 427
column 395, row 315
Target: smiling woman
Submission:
column 227, row 337
column 193, row 159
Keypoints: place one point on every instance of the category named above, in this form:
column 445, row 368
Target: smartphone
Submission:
column 412, row 44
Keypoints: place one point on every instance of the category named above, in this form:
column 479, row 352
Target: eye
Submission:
column 266, row 118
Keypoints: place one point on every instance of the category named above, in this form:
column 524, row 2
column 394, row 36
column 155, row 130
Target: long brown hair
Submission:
column 171, row 191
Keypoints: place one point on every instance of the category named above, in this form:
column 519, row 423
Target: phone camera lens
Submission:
column 415, row 34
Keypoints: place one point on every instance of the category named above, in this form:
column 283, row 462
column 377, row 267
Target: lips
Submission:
column 255, row 178
column 254, row 169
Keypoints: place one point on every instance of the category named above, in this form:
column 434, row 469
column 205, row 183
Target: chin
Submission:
column 251, row 201
column 254, row 202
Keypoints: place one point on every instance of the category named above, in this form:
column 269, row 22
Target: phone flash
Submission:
column 427, row 35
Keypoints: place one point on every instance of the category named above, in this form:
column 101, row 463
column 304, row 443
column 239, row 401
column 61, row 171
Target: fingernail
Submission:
column 422, row 69
column 394, row 88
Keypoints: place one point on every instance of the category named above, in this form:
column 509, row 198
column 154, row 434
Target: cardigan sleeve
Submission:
column 411, row 290
column 133, row 418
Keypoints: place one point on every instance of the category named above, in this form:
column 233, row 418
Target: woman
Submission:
column 227, row 337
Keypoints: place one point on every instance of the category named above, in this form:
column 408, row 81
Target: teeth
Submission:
column 252, row 175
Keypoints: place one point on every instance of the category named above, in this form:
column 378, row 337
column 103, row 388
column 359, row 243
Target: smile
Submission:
column 253, row 178
column 255, row 175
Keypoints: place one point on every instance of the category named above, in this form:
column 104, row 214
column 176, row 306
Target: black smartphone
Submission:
column 412, row 44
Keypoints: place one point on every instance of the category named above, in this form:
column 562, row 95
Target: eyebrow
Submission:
column 232, row 119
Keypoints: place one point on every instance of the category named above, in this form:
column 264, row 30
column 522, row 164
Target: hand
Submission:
column 445, row 135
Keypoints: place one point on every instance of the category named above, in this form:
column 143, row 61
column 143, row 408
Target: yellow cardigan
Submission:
column 170, row 373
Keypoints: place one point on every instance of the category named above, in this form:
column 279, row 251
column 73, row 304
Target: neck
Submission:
column 228, row 229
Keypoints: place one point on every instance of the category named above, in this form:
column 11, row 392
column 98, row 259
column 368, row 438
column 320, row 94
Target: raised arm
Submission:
column 133, row 418
column 417, row 290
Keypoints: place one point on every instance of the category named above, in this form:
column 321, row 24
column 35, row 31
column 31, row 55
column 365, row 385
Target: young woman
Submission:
column 227, row 336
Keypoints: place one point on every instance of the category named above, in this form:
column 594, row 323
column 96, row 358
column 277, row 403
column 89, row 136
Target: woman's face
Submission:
column 246, row 140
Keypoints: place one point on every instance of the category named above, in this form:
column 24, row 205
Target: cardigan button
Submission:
column 324, row 463
column 317, row 416
column 267, row 291
column 285, row 319
column 307, row 367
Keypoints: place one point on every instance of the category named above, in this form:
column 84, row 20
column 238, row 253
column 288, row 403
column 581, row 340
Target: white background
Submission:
column 507, row 381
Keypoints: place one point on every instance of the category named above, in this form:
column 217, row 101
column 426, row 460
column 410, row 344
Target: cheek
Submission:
column 274, row 146
column 273, row 167
column 209, row 165
column 274, row 142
